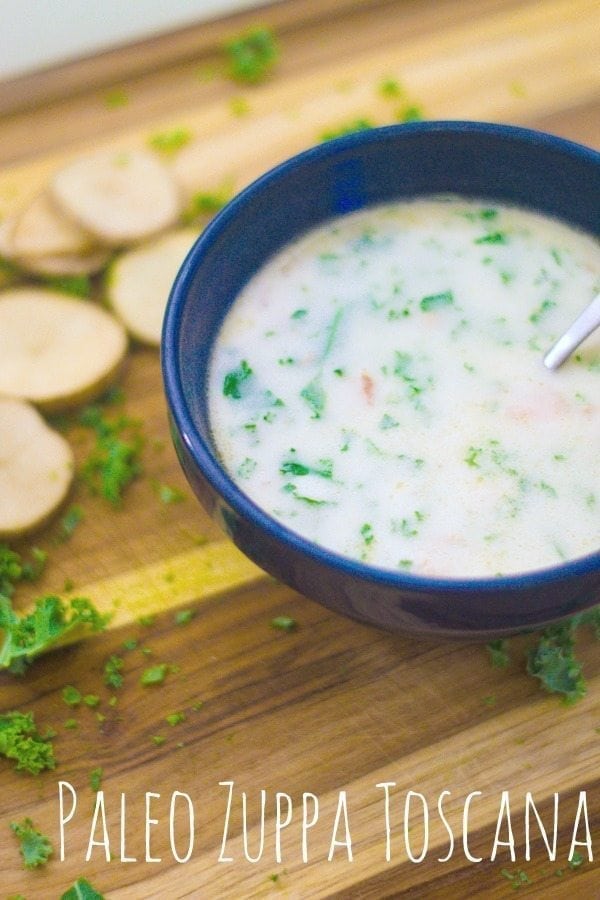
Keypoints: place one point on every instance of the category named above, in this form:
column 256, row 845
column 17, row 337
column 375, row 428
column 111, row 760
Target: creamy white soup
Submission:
column 378, row 388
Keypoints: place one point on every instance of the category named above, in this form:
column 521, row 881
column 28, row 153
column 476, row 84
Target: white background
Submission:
column 38, row 33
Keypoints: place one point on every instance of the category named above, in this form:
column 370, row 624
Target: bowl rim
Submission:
column 207, row 460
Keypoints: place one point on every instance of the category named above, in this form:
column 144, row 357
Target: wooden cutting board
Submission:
column 333, row 710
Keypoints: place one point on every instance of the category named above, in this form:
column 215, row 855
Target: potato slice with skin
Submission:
column 56, row 351
column 36, row 469
column 88, row 263
column 119, row 197
column 65, row 264
column 8, row 266
column 40, row 229
column 139, row 282
column 6, row 230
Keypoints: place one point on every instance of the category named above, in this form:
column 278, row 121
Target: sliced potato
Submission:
column 119, row 197
column 40, row 229
column 36, row 468
column 65, row 264
column 87, row 262
column 54, row 350
column 140, row 280
column 8, row 271
column 6, row 230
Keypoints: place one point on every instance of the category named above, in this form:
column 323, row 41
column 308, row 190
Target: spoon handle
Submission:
column 581, row 328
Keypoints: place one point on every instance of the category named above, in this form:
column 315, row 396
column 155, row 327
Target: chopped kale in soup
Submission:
column 378, row 387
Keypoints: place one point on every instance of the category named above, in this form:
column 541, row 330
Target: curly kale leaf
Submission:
column 553, row 661
column 35, row 847
column 82, row 890
column 21, row 741
column 25, row 637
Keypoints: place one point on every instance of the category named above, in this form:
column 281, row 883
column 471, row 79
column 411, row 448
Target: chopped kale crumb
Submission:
column 391, row 89
column 246, row 467
column 8, row 270
column 115, row 459
column 239, row 106
column 494, row 237
column 290, row 488
column 404, row 369
column 436, row 301
column 184, row 616
column 410, row 113
column 314, row 395
column 291, row 467
column 517, row 879
column 203, row 204
column 70, row 521
column 556, row 256
column 347, row 128
column 71, row 695
column 544, row 307
column 155, row 674
column 114, row 396
column 96, row 778
column 472, row 457
column 284, row 623
column 388, row 422
column 366, row 532
column 11, row 570
column 167, row 494
column 31, row 570
column 499, row 656
column 91, row 700
column 324, row 468
column 74, row 285
column 112, row 672
column 252, row 55
column 116, row 98
column 175, row 718
column 170, row 142
column 235, row 378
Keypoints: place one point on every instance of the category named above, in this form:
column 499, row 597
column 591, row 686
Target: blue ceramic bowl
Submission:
column 494, row 162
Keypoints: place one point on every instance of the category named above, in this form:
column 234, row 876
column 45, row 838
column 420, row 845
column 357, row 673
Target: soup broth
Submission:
column 378, row 388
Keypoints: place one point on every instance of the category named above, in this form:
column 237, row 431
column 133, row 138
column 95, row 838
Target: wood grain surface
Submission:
column 332, row 709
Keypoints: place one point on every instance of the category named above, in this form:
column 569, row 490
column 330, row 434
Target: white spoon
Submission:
column 581, row 328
